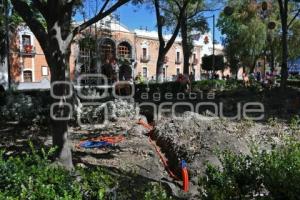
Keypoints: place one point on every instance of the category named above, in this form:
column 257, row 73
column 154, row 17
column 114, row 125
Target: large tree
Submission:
column 53, row 28
column 192, row 20
column 245, row 33
column 274, row 36
column 164, row 46
column 285, row 26
column 193, row 23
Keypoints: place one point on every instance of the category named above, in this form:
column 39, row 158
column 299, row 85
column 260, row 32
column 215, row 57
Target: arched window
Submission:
column 27, row 76
column 107, row 49
column 124, row 50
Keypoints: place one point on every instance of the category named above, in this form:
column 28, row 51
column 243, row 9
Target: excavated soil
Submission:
column 194, row 138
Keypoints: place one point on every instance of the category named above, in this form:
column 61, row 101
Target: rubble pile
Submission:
column 96, row 113
column 193, row 138
column 122, row 108
column 196, row 139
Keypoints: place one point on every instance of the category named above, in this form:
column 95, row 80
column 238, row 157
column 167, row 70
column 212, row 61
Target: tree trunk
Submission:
column 160, row 66
column 59, row 67
column 253, row 66
column 284, row 65
column 185, row 47
column 284, row 18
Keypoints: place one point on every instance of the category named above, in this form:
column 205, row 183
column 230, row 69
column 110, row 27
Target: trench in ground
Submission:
column 163, row 143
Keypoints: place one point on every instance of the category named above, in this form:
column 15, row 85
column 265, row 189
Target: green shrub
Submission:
column 203, row 85
column 17, row 106
column 246, row 177
column 281, row 171
column 33, row 176
column 293, row 82
column 209, row 85
column 295, row 124
column 238, row 178
column 157, row 192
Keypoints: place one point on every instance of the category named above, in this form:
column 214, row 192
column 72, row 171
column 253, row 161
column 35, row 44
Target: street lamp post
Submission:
column 213, row 61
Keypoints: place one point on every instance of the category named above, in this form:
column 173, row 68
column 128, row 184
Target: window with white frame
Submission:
column 145, row 72
column 177, row 71
column 27, row 76
column 178, row 56
column 44, row 71
column 26, row 40
column 144, row 52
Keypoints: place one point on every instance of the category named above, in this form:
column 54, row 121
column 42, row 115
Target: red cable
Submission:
column 164, row 161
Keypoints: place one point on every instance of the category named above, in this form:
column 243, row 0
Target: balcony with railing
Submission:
column 166, row 59
column 178, row 61
column 145, row 58
column 27, row 50
column 195, row 61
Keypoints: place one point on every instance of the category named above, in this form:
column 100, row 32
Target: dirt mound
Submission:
column 196, row 139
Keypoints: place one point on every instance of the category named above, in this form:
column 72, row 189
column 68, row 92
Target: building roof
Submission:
column 153, row 34
column 112, row 23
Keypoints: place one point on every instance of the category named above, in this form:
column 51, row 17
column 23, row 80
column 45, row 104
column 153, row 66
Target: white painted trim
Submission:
column 22, row 68
column 27, row 69
column 178, row 49
column 145, row 44
column 26, row 33
column 33, row 68
column 145, row 67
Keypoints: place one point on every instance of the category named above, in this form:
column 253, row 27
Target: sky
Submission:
column 136, row 17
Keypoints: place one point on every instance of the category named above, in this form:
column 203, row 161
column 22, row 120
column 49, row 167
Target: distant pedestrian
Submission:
column 192, row 77
column 258, row 76
column 184, row 83
column 246, row 80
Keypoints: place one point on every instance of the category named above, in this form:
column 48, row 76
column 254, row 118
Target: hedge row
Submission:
column 262, row 175
column 294, row 83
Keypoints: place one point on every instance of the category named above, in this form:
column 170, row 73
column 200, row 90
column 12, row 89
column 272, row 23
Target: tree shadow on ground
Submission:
column 16, row 138
column 130, row 185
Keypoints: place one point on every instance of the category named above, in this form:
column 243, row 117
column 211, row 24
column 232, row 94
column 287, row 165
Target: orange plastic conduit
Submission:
column 164, row 161
column 185, row 176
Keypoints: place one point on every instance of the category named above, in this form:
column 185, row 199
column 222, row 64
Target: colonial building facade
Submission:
column 112, row 42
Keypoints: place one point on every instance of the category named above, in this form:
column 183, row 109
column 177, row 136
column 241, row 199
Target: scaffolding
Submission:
column 98, row 45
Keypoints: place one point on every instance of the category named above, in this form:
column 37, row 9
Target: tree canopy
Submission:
column 245, row 33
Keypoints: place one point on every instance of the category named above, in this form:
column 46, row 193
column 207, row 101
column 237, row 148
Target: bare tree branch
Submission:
column 159, row 22
column 99, row 16
column 173, row 38
column 296, row 15
column 205, row 10
column 104, row 6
